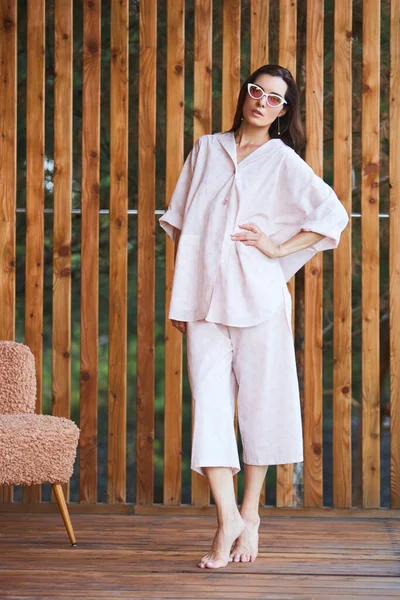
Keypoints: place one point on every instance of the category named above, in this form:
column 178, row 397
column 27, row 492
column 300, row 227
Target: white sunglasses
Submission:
column 256, row 92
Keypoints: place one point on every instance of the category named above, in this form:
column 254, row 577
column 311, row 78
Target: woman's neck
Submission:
column 251, row 136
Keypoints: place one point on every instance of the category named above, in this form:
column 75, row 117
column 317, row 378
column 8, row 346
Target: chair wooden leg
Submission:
column 62, row 505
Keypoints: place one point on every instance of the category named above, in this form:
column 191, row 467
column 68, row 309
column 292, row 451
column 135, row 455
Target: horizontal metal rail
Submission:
column 105, row 211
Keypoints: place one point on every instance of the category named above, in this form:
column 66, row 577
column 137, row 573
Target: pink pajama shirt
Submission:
column 235, row 299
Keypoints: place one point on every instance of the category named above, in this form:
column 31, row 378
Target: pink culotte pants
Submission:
column 259, row 363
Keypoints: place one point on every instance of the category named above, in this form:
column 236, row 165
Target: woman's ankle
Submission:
column 228, row 517
column 250, row 515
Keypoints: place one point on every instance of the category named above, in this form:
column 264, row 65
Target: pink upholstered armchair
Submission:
column 33, row 448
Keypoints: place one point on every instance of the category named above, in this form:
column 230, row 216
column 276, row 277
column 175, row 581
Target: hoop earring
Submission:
column 279, row 127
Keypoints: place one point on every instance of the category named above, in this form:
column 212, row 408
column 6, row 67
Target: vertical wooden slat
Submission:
column 61, row 323
column 8, row 95
column 394, row 176
column 230, row 61
column 259, row 29
column 8, row 90
column 287, row 58
column 173, row 338
column 287, row 34
column 313, row 269
column 117, row 355
column 146, row 249
column 201, row 126
column 35, row 198
column 202, row 68
column 287, row 54
column 342, row 482
column 230, row 84
column 370, row 255
column 90, row 249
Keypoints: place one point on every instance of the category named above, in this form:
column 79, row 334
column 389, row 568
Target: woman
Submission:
column 247, row 212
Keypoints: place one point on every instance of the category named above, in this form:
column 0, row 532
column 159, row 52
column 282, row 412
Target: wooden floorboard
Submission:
column 143, row 557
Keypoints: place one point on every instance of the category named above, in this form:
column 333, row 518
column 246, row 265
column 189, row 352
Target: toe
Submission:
column 203, row 561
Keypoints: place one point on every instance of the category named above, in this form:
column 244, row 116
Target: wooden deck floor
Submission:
column 123, row 556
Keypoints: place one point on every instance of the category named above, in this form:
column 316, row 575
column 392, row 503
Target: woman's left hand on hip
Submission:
column 254, row 236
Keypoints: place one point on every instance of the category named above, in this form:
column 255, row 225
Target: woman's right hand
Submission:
column 180, row 325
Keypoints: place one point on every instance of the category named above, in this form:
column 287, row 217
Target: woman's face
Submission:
column 257, row 112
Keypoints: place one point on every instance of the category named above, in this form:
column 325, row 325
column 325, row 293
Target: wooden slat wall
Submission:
column 35, row 197
column 146, row 248
column 202, row 121
column 90, row 249
column 312, row 415
column 202, row 125
column 8, row 147
column 394, row 176
column 118, row 284
column 342, row 483
column 173, row 338
column 370, row 256
column 61, row 323
column 287, row 59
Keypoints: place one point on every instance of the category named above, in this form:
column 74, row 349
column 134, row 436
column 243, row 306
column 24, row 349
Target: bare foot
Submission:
column 246, row 545
column 226, row 534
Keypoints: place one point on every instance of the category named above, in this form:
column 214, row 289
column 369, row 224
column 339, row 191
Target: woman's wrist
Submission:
column 270, row 248
column 301, row 241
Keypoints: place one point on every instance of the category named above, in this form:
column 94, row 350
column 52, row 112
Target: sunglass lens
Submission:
column 255, row 91
column 274, row 100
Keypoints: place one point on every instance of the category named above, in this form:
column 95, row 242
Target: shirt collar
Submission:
column 227, row 141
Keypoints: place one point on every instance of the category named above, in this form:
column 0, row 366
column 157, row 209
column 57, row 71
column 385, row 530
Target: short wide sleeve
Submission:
column 173, row 217
column 318, row 209
column 328, row 218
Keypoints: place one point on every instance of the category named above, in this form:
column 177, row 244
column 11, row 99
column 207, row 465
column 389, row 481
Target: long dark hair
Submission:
column 291, row 128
